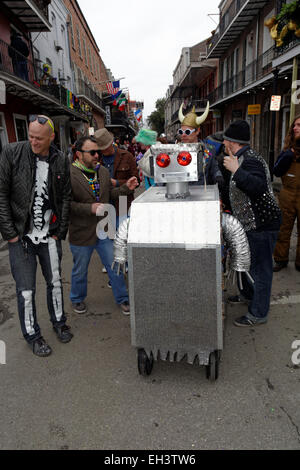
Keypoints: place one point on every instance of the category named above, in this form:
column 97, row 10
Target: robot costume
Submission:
column 173, row 242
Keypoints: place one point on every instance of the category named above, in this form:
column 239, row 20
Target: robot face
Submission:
column 175, row 163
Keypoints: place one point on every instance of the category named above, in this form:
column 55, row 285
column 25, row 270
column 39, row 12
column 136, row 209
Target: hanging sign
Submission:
column 275, row 103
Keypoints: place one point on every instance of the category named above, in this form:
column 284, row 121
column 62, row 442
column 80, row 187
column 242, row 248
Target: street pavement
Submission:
column 89, row 395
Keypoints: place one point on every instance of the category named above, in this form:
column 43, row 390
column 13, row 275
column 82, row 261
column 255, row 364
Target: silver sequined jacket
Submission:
column 251, row 194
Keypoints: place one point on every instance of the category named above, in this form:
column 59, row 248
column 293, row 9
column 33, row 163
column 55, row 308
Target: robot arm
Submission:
column 120, row 247
column 237, row 242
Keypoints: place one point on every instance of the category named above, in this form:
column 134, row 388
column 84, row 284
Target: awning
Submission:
column 29, row 13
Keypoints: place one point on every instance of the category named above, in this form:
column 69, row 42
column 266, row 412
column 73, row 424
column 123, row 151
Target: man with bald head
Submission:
column 35, row 198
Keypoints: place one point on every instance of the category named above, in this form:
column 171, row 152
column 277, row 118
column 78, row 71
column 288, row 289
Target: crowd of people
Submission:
column 43, row 196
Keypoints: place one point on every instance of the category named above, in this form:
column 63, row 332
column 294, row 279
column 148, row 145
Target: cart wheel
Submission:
column 145, row 364
column 212, row 370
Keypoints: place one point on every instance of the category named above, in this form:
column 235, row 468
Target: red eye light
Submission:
column 163, row 160
column 184, row 158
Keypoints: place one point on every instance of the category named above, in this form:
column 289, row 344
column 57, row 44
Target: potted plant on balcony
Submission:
column 285, row 27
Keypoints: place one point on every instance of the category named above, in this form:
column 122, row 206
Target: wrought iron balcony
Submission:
column 26, row 79
column 85, row 91
column 256, row 70
column 32, row 13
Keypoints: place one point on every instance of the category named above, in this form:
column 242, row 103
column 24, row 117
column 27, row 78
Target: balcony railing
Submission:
column 253, row 72
column 230, row 14
column 17, row 65
column 84, row 89
column 43, row 6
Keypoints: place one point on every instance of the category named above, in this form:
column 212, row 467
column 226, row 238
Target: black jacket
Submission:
column 17, row 182
column 253, row 179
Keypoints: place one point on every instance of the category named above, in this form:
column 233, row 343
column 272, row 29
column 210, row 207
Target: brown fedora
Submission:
column 104, row 138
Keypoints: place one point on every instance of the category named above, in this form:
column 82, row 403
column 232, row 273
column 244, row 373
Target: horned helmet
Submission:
column 191, row 119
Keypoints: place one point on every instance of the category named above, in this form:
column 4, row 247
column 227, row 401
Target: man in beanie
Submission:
column 254, row 205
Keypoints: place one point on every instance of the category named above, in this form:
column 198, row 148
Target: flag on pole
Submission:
column 138, row 114
column 113, row 87
column 121, row 103
column 115, row 97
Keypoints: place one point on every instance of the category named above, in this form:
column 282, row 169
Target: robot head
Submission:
column 175, row 163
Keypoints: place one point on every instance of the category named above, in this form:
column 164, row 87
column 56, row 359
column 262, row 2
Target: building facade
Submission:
column 251, row 70
column 193, row 79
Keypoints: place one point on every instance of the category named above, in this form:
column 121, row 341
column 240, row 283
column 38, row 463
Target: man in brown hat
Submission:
column 120, row 163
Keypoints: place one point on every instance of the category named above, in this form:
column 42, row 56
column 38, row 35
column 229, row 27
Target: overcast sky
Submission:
column 142, row 40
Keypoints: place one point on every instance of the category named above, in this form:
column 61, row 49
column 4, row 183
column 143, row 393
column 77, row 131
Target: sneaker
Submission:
column 109, row 284
column 63, row 333
column 104, row 270
column 41, row 348
column 279, row 266
column 79, row 307
column 236, row 299
column 245, row 321
column 125, row 307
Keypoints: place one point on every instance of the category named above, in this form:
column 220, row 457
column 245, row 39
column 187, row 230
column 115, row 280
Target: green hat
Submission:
column 146, row 137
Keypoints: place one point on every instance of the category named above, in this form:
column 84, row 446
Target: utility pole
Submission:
column 294, row 87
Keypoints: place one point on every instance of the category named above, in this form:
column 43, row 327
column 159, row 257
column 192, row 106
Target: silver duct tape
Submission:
column 201, row 357
column 120, row 243
column 237, row 241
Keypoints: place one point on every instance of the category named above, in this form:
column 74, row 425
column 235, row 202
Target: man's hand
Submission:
column 54, row 237
column 113, row 182
column 231, row 163
column 95, row 207
column 132, row 183
column 13, row 240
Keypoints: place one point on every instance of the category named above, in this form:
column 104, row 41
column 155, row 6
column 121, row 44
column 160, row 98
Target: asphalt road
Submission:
column 88, row 393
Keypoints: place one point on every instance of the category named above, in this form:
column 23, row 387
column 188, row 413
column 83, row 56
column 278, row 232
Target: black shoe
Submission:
column 236, row 299
column 279, row 266
column 63, row 333
column 79, row 307
column 245, row 321
column 125, row 307
column 41, row 348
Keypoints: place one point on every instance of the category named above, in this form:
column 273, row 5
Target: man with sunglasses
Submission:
column 92, row 188
column 35, row 198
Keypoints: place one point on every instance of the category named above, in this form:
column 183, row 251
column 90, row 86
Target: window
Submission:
column 90, row 60
column 72, row 34
column 84, row 50
column 78, row 40
column 21, row 128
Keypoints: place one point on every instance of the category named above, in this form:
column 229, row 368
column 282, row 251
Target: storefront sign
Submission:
column 254, row 109
column 275, row 103
column 107, row 115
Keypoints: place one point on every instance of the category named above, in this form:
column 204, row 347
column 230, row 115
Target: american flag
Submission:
column 113, row 87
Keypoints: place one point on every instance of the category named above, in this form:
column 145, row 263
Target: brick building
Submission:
column 89, row 71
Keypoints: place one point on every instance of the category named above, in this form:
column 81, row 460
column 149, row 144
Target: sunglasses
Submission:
column 91, row 152
column 40, row 120
column 186, row 132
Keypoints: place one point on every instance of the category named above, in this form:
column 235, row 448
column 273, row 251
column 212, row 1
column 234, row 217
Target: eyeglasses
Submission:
column 91, row 152
column 186, row 132
column 40, row 120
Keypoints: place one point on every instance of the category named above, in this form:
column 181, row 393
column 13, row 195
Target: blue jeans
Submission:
column 262, row 245
column 23, row 262
column 81, row 259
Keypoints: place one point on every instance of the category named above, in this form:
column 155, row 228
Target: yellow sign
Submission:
column 254, row 109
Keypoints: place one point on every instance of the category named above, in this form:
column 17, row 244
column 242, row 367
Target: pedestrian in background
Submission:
column 92, row 187
column 254, row 205
column 35, row 198
column 288, row 167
